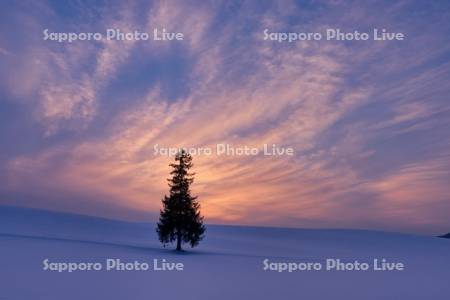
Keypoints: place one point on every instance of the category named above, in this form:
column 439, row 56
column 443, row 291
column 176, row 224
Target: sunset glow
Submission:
column 368, row 121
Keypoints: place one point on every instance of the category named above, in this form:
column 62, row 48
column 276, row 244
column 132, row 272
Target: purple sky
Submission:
column 369, row 120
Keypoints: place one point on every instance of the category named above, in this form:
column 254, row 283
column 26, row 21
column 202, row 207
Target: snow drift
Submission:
column 228, row 264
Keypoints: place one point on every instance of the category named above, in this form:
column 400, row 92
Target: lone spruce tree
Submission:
column 180, row 218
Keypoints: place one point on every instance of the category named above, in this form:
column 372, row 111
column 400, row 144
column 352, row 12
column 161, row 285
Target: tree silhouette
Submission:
column 180, row 218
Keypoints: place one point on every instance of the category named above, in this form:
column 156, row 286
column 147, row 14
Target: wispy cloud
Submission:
column 368, row 133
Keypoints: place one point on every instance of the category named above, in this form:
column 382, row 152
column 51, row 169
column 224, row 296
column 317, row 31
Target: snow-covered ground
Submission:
column 228, row 264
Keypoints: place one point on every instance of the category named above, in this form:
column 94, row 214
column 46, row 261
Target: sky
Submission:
column 368, row 120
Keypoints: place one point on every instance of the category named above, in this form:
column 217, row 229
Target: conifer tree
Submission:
column 180, row 218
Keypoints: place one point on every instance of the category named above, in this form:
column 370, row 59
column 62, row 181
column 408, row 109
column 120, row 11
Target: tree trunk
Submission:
column 178, row 242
